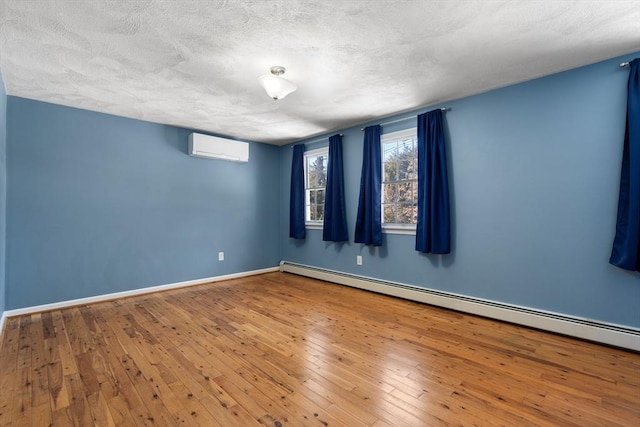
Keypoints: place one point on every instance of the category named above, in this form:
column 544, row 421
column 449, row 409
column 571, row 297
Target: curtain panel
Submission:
column 334, row 228
column 368, row 220
column 625, row 253
column 433, row 229
column 296, row 203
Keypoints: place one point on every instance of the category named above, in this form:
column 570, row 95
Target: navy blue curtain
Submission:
column 296, row 203
column 369, row 221
column 334, row 228
column 433, row 230
column 625, row 253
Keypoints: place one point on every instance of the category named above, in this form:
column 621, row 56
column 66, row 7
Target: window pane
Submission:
column 406, row 160
column 320, row 165
column 318, row 212
column 315, row 182
column 389, row 216
column 405, row 192
column 412, row 166
column 390, row 171
column 407, row 213
column 317, row 171
column 389, row 150
column 414, row 191
column 311, row 178
column 390, row 193
column 399, row 180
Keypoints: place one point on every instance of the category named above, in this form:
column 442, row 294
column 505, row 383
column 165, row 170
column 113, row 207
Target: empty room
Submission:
column 319, row 213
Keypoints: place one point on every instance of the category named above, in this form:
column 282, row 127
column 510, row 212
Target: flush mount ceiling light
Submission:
column 277, row 87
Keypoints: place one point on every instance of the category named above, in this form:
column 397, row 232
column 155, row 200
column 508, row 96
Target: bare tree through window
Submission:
column 399, row 180
column 315, row 184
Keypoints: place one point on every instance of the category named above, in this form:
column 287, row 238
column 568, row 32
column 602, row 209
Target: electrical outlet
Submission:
column 359, row 259
column 220, row 256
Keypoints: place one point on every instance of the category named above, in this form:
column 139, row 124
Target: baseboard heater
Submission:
column 601, row 332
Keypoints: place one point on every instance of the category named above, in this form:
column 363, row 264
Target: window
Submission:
column 400, row 181
column 315, row 182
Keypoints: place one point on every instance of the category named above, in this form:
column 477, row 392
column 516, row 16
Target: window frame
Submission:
column 307, row 202
column 396, row 228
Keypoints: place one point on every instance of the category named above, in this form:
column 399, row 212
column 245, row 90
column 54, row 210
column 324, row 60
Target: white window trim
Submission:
column 392, row 228
column 409, row 229
column 312, row 225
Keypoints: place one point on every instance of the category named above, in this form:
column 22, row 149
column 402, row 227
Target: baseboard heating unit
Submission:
column 605, row 333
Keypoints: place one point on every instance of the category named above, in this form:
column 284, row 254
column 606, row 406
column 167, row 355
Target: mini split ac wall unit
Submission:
column 213, row 147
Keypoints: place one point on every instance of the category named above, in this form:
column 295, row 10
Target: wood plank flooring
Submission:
column 281, row 350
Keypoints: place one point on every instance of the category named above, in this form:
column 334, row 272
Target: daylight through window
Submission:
column 315, row 182
column 400, row 179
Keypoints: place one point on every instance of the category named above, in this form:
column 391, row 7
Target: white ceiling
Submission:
column 195, row 63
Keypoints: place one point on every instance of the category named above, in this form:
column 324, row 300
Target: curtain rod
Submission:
column 443, row 109
column 316, row 140
column 624, row 64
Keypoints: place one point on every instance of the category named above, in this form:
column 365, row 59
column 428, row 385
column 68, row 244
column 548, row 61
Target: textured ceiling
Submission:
column 195, row 63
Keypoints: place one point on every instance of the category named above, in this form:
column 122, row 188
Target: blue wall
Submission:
column 534, row 176
column 3, row 191
column 100, row 204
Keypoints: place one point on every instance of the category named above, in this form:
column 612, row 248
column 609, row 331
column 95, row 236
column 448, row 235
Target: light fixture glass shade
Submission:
column 276, row 86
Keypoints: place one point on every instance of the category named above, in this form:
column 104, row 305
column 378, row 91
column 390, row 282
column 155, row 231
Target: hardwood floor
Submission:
column 282, row 350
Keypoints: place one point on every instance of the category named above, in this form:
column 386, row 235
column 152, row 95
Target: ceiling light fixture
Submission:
column 277, row 87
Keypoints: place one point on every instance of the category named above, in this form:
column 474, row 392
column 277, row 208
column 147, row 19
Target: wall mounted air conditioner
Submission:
column 213, row 147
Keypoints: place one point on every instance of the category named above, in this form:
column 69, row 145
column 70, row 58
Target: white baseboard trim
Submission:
column 601, row 332
column 2, row 319
column 133, row 292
